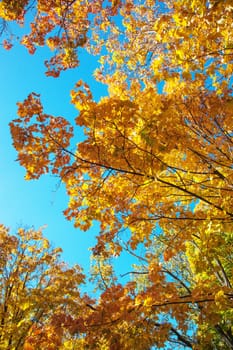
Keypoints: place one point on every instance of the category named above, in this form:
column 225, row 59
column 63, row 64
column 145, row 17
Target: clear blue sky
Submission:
column 40, row 202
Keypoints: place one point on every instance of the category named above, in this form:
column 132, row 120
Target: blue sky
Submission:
column 40, row 202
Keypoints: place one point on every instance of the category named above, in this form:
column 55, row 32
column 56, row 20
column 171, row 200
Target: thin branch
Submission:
column 182, row 338
column 226, row 279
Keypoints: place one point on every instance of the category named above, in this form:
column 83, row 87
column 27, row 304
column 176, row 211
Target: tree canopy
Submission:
column 155, row 168
column 39, row 293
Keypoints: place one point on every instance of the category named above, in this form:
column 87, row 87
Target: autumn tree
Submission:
column 39, row 293
column 155, row 169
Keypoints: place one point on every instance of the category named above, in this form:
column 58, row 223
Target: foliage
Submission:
column 61, row 25
column 39, row 292
column 155, row 170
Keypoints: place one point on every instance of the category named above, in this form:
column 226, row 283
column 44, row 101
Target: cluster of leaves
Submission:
column 155, row 169
column 61, row 25
column 39, row 293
